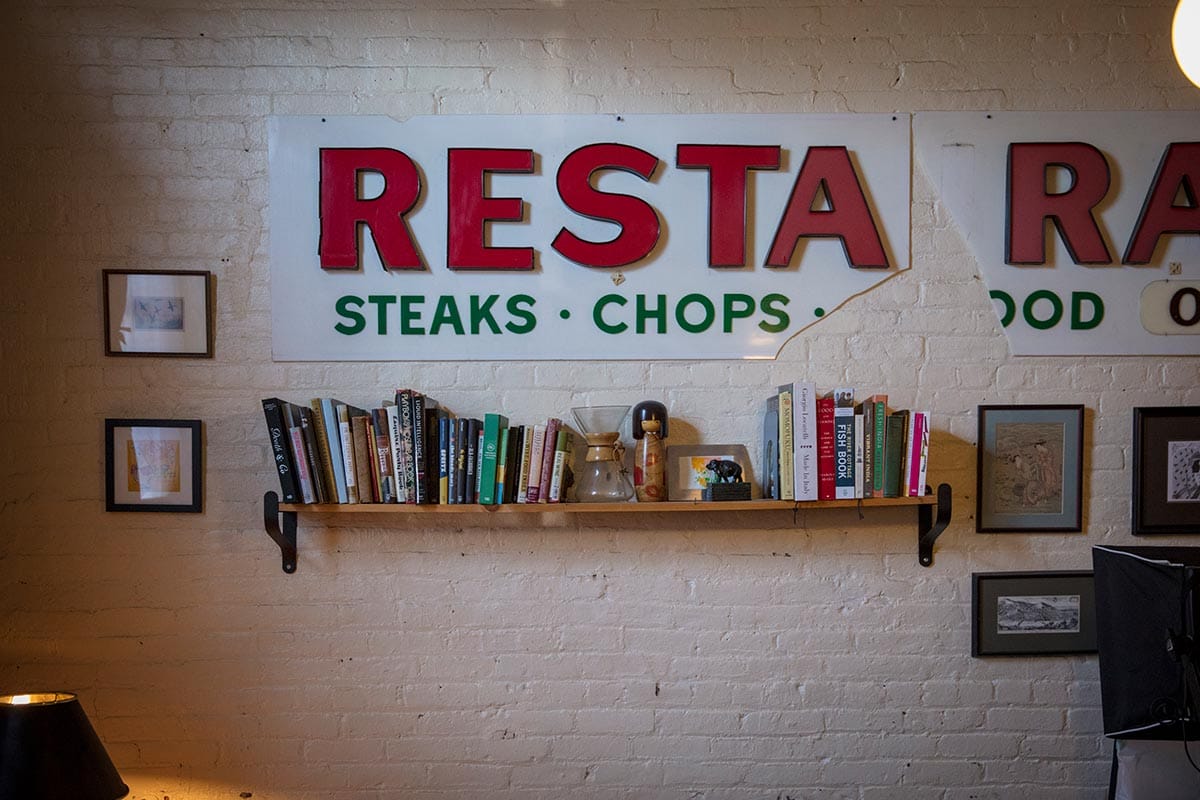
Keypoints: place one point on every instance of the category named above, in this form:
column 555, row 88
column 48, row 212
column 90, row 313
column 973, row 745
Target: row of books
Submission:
column 411, row 450
column 829, row 447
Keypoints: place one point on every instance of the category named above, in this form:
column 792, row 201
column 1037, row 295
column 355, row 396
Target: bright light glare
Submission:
column 1185, row 38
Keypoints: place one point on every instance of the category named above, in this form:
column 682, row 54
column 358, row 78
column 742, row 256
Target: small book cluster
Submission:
column 411, row 450
column 830, row 447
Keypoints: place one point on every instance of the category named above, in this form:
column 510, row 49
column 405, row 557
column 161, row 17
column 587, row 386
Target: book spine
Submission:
column 865, row 443
column 490, row 457
column 313, row 452
column 552, row 427
column 445, row 425
column 770, row 450
column 364, row 458
column 843, row 421
column 395, row 439
column 512, row 474
column 859, row 455
column 501, row 490
column 804, row 439
column 417, row 495
column 534, row 482
column 281, row 453
column 563, row 447
column 471, row 464
column 523, row 476
column 920, row 454
column 456, row 468
column 300, row 454
column 406, row 476
column 324, row 450
column 787, row 444
column 400, row 456
column 826, row 450
column 336, row 468
column 346, row 440
column 385, row 458
column 906, row 468
column 879, row 443
column 893, row 454
column 432, row 414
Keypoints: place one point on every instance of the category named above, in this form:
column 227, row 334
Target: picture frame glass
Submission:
column 687, row 468
column 1166, row 470
column 153, row 465
column 157, row 313
column 1033, row 613
column 1030, row 468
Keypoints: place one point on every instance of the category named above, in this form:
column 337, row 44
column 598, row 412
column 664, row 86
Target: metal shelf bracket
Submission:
column 929, row 527
column 281, row 527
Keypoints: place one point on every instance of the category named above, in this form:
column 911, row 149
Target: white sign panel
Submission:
column 1086, row 226
column 577, row 237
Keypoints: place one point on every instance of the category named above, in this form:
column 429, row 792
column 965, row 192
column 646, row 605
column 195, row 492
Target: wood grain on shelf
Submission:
column 605, row 508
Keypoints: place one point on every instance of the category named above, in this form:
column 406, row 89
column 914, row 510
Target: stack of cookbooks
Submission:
column 832, row 447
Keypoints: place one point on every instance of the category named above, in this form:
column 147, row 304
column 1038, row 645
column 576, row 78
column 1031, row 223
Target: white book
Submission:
column 906, row 467
column 923, row 466
column 393, row 417
column 347, row 442
column 536, row 451
column 804, row 439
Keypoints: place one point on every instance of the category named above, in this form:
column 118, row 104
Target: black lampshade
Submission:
column 49, row 751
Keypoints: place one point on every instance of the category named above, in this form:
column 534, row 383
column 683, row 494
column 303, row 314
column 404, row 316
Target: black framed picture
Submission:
column 164, row 313
column 1166, row 470
column 1029, row 474
column 153, row 465
column 1033, row 613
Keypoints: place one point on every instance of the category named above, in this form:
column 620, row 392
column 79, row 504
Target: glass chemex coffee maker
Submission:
column 603, row 478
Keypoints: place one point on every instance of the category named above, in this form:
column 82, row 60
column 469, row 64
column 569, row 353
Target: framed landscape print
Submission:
column 1032, row 613
column 1029, row 468
column 1166, row 470
column 152, row 465
column 165, row 313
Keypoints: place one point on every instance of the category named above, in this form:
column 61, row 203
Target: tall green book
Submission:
column 896, row 430
column 493, row 424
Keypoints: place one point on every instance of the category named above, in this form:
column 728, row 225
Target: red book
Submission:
column 826, row 450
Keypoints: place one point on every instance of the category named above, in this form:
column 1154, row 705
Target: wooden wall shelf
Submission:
column 933, row 513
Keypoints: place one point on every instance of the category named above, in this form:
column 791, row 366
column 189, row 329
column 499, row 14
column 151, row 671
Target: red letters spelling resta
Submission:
column 846, row 215
column 1030, row 203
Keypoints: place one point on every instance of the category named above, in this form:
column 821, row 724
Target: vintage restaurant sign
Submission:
column 577, row 236
column 1084, row 224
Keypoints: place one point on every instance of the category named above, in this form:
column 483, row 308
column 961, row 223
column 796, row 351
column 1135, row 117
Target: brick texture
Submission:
column 665, row 657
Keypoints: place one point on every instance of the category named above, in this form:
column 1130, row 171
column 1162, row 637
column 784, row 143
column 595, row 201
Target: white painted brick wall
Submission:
column 657, row 657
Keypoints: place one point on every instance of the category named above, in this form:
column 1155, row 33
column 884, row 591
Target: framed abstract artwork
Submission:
column 166, row 313
column 1029, row 474
column 1166, row 470
column 153, row 465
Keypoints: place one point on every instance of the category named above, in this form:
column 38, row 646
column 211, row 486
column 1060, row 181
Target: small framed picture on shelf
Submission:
column 1166, row 470
column 166, row 313
column 693, row 468
column 153, row 465
column 1033, row 613
column 1029, row 468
